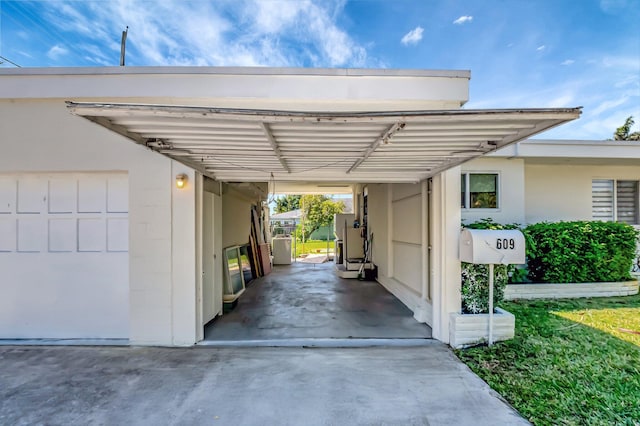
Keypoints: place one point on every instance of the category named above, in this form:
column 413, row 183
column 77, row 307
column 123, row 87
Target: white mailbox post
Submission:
column 491, row 247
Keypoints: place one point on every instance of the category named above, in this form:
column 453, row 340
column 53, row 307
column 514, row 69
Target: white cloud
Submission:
column 175, row 32
column 566, row 99
column 463, row 20
column 608, row 105
column 567, row 62
column 57, row 51
column 541, row 48
column 413, row 36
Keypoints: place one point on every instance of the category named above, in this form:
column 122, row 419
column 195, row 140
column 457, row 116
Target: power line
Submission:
column 3, row 60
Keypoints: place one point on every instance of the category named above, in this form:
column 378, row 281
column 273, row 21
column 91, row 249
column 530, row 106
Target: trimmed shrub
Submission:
column 475, row 278
column 580, row 252
column 475, row 287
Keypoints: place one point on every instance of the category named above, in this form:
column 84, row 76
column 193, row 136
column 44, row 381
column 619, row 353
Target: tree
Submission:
column 287, row 203
column 623, row 133
column 317, row 211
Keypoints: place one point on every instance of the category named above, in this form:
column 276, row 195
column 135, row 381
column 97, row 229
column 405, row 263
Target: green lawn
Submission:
column 312, row 246
column 572, row 362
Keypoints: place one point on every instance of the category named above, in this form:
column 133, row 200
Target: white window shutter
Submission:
column 602, row 199
column 627, row 201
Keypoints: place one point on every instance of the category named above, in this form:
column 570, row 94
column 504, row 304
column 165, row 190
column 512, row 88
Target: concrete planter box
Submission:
column 473, row 329
column 569, row 291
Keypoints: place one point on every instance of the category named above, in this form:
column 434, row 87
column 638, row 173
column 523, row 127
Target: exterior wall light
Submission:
column 181, row 181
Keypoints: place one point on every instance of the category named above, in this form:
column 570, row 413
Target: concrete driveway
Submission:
column 426, row 385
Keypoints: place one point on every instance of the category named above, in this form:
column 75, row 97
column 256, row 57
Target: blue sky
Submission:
column 521, row 53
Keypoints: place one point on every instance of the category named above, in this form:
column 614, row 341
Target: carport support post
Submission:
column 445, row 235
column 490, row 304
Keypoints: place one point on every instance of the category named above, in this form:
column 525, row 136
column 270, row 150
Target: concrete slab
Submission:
column 301, row 301
column 244, row 386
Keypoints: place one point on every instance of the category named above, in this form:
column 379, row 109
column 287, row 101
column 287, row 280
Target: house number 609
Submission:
column 505, row 243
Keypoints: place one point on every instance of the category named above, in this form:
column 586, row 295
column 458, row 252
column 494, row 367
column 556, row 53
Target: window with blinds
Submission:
column 615, row 200
column 602, row 199
column 627, row 201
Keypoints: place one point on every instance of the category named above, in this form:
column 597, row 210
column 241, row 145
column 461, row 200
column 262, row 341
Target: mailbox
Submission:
column 484, row 246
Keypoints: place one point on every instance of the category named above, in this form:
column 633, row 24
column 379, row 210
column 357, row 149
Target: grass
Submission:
column 572, row 362
column 312, row 246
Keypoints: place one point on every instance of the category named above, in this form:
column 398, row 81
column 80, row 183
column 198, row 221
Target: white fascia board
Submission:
column 319, row 89
column 584, row 149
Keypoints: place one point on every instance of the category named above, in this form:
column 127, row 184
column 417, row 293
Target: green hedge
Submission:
column 475, row 278
column 579, row 252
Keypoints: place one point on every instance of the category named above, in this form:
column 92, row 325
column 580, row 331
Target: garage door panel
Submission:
column 117, row 195
column 32, row 235
column 63, row 195
column 32, row 195
column 92, row 194
column 62, row 235
column 117, row 235
column 83, row 296
column 8, row 195
column 92, row 235
column 8, row 234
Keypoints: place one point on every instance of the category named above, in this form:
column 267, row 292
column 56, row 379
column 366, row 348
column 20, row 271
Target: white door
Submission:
column 211, row 257
column 64, row 241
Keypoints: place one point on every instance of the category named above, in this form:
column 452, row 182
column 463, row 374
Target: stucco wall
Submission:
column 557, row 192
column 510, row 191
column 406, row 235
column 378, row 217
column 42, row 136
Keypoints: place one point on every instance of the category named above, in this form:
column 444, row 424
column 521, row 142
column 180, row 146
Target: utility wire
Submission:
column 3, row 60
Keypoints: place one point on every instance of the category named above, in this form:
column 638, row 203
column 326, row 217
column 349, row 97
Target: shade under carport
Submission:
column 241, row 145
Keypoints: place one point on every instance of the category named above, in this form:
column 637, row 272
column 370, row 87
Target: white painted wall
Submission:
column 398, row 214
column 406, row 235
column 432, row 293
column 184, row 322
column 557, row 192
column 377, row 212
column 42, row 137
column 511, row 191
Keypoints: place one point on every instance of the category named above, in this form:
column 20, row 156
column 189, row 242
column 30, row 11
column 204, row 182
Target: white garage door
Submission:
column 64, row 262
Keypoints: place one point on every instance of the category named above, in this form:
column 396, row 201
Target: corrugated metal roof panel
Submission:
column 258, row 145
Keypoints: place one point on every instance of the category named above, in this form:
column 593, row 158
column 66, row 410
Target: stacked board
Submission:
column 260, row 250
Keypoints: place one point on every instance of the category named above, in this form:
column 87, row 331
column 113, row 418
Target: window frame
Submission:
column 614, row 207
column 467, row 194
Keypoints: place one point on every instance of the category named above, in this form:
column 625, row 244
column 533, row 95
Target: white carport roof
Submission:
column 244, row 145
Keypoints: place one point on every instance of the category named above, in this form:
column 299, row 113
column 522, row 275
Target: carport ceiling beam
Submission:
column 384, row 137
column 274, row 146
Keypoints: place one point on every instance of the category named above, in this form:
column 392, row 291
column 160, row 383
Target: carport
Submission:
column 332, row 147
column 396, row 135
